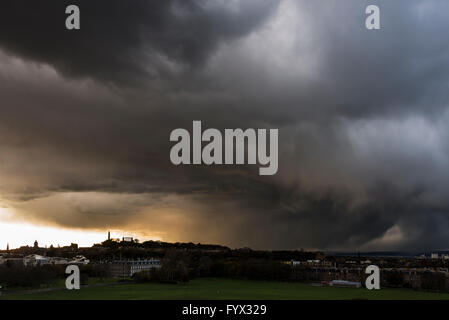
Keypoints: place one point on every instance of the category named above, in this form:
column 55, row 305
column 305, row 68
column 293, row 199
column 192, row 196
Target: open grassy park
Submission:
column 228, row 289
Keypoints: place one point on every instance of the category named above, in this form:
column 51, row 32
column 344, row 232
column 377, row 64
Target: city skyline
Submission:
column 51, row 236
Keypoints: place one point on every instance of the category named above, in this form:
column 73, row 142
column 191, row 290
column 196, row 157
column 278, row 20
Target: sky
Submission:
column 86, row 115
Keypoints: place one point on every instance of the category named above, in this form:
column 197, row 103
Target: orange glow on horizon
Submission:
column 18, row 234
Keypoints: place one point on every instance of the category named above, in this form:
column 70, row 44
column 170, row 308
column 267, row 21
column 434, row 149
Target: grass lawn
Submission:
column 229, row 289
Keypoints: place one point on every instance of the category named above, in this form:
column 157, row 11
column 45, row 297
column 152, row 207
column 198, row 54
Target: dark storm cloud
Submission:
column 362, row 117
column 119, row 40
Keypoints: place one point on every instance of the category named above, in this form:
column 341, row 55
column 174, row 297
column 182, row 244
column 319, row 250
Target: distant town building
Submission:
column 127, row 268
column 345, row 284
column 57, row 260
column 38, row 260
column 295, row 263
column 127, row 239
column 434, row 256
column 36, row 244
column 366, row 262
column 312, row 263
column 35, row 260
column 79, row 259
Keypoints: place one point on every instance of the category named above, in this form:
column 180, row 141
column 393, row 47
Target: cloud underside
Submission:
column 86, row 115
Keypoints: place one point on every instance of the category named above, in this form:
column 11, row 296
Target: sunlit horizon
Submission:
column 18, row 234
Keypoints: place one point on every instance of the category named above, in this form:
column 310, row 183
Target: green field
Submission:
column 229, row 289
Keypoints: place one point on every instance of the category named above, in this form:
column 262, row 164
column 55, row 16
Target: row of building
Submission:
column 350, row 274
column 116, row 268
column 438, row 256
column 38, row 260
column 127, row 268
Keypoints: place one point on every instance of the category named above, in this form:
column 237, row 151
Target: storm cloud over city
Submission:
column 86, row 115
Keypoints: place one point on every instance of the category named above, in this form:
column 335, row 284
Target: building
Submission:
column 434, row 256
column 56, row 260
column 74, row 246
column 311, row 263
column 79, row 260
column 295, row 263
column 127, row 268
column 38, row 260
column 35, row 260
column 345, row 284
